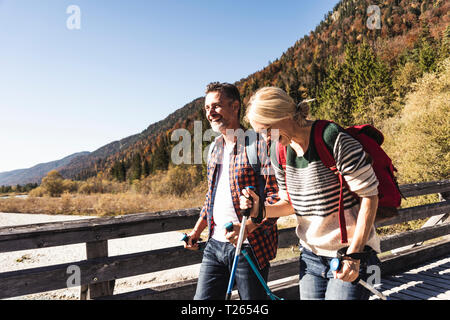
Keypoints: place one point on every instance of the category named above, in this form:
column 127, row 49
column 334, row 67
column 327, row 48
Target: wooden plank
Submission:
column 426, row 279
column 436, row 275
column 421, row 291
column 287, row 238
column 406, row 260
column 432, row 221
column 17, row 283
column 89, row 230
column 434, row 278
column 184, row 290
column 419, row 189
column 418, row 212
column 417, row 282
column 413, row 236
column 401, row 296
column 284, row 268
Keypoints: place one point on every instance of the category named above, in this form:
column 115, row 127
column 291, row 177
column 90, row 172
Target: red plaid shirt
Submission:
column 264, row 239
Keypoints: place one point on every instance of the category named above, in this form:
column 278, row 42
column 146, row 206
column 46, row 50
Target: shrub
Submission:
column 53, row 184
column 418, row 138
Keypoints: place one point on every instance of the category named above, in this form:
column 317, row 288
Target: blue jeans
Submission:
column 215, row 273
column 317, row 281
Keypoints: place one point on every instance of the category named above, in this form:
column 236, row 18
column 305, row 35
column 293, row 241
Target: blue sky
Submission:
column 130, row 64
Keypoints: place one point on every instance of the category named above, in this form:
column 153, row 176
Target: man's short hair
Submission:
column 228, row 89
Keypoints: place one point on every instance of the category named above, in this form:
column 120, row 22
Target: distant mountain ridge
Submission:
column 37, row 172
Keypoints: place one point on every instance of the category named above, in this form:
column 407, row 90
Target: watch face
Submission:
column 335, row 264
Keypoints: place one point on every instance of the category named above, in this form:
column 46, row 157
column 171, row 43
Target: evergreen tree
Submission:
column 146, row 168
column 161, row 155
column 351, row 86
column 425, row 51
column 136, row 167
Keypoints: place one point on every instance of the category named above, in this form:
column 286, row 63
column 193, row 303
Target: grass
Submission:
column 107, row 204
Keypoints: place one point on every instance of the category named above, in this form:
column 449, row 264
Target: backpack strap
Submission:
column 329, row 161
column 251, row 148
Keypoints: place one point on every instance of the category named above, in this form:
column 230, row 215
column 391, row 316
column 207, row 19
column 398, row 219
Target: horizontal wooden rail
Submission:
column 414, row 236
column 415, row 213
column 45, row 235
column 423, row 188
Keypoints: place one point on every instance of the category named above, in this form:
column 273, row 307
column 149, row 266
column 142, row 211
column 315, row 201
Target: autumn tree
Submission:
column 53, row 184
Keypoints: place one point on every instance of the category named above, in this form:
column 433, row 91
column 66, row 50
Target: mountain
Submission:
column 37, row 172
column 313, row 67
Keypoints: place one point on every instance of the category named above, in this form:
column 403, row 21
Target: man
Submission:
column 229, row 172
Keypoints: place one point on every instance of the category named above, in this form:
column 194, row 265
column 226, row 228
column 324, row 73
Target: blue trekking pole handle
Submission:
column 336, row 264
column 229, row 227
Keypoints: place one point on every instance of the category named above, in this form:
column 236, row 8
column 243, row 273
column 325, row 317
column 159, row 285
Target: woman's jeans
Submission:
column 317, row 281
column 215, row 273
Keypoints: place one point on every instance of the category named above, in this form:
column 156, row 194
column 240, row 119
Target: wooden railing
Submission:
column 99, row 271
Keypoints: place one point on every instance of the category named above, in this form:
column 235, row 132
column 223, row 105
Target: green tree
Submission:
column 161, row 154
column 351, row 87
column 146, row 170
column 426, row 50
column 136, row 167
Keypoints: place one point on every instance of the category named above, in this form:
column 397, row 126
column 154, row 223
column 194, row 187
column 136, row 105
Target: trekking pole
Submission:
column 229, row 227
column 336, row 264
column 245, row 216
column 260, row 278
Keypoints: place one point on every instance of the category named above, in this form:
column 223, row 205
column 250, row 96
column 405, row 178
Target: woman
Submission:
column 313, row 196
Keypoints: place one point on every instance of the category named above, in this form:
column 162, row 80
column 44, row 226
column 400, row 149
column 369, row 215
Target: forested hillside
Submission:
column 356, row 72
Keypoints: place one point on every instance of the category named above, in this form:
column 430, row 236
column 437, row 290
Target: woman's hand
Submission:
column 349, row 271
column 246, row 203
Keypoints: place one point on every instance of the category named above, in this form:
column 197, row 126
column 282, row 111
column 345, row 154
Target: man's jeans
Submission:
column 215, row 273
column 317, row 281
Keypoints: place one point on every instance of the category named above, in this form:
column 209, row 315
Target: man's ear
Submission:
column 235, row 106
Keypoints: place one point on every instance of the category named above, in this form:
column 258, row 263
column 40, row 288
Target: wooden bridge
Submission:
column 415, row 264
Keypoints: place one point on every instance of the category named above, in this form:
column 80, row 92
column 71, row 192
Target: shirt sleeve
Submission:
column 355, row 165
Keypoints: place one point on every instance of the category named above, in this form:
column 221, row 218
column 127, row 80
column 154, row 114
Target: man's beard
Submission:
column 218, row 126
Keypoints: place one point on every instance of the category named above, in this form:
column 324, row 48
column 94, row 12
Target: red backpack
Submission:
column 389, row 195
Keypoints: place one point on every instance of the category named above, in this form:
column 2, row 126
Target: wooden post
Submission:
column 445, row 196
column 94, row 250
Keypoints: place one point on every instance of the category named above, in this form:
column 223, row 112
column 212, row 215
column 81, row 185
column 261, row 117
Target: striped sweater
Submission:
column 314, row 190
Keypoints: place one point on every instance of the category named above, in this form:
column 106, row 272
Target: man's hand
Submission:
column 192, row 243
column 246, row 203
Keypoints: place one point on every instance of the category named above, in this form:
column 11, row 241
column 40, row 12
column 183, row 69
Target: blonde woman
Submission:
column 313, row 196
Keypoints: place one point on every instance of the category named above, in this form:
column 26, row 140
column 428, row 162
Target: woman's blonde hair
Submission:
column 271, row 104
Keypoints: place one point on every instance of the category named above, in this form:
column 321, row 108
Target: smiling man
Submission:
column 229, row 172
